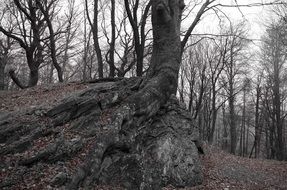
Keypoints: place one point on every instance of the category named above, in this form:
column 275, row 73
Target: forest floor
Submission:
column 221, row 170
column 225, row 171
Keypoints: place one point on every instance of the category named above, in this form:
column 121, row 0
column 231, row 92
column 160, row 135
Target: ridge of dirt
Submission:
column 37, row 96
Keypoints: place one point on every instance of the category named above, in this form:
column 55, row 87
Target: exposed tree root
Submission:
column 103, row 135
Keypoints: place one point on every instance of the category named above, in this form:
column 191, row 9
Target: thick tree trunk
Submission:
column 33, row 77
column 33, row 63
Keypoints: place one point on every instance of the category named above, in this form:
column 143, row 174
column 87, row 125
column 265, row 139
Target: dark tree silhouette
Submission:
column 28, row 39
column 46, row 8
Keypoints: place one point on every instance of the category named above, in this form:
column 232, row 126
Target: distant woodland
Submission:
column 234, row 87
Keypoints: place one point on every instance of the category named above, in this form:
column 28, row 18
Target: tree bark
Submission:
column 95, row 30
column 2, row 73
column 233, row 134
column 96, row 41
column 111, row 53
column 5, row 47
column 2, row 77
column 231, row 101
column 257, row 124
column 34, row 62
column 214, row 114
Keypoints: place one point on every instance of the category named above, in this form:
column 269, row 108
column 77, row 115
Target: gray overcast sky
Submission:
column 255, row 17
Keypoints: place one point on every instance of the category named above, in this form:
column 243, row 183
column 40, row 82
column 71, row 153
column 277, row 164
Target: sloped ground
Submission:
column 221, row 170
column 225, row 171
column 37, row 96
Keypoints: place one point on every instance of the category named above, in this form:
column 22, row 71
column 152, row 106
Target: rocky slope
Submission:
column 89, row 138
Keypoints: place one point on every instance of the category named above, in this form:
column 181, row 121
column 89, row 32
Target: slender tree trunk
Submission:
column 68, row 37
column 96, row 41
column 225, row 125
column 139, row 34
column 244, row 124
column 277, row 113
column 52, row 40
column 113, row 41
column 213, row 115
column 66, row 57
column 233, row 136
column 140, row 59
column 247, row 139
column 257, row 125
column 95, row 29
column 181, row 90
column 272, row 139
column 51, row 74
column 134, row 24
column 231, row 101
column 2, row 72
column 241, row 141
column 85, row 50
column 267, row 142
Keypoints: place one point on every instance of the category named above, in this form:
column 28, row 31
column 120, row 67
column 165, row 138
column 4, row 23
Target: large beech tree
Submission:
column 133, row 132
column 161, row 80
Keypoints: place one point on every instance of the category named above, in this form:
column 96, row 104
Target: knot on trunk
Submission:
column 163, row 11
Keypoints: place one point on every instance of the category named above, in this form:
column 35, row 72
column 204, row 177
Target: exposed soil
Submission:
column 221, row 170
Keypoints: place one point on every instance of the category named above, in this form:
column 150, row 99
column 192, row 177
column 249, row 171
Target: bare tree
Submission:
column 216, row 67
column 111, row 52
column 233, row 59
column 95, row 29
column 274, row 58
column 138, row 30
column 258, row 124
column 47, row 8
column 29, row 38
column 127, row 59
